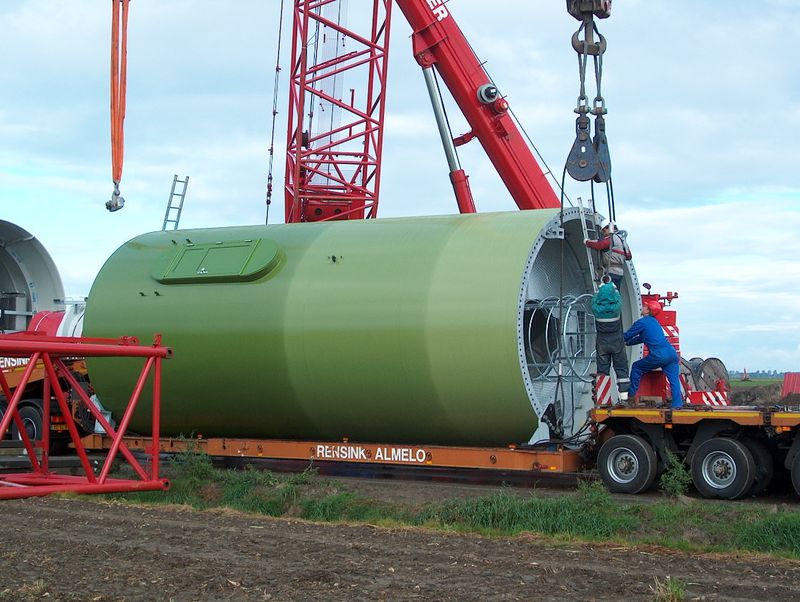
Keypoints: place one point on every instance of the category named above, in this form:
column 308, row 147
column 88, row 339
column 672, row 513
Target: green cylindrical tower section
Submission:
column 392, row 330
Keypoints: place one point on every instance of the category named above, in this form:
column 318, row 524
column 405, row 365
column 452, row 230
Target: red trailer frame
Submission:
column 50, row 353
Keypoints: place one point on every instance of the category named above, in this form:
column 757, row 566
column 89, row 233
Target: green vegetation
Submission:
column 675, row 480
column 590, row 514
column 756, row 382
column 195, row 482
column 769, row 533
column 669, row 590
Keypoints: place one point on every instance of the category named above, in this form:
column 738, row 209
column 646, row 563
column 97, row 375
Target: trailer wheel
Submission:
column 723, row 468
column 627, row 464
column 764, row 465
column 796, row 473
column 32, row 420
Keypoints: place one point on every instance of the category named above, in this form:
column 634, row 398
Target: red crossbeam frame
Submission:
column 334, row 174
column 50, row 351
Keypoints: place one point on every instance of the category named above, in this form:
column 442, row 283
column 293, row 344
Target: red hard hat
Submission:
column 654, row 307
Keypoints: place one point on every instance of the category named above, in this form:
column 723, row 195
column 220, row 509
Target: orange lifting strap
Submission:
column 119, row 65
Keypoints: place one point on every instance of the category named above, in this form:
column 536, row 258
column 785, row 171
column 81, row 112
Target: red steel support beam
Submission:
column 87, row 402
column 11, row 412
column 49, row 352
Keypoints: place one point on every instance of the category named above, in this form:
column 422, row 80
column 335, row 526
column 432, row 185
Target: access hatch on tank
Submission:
column 222, row 261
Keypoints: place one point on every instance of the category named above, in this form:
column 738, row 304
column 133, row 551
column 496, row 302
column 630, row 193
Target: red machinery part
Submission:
column 50, row 351
column 46, row 322
column 791, row 384
column 333, row 170
column 654, row 383
column 438, row 41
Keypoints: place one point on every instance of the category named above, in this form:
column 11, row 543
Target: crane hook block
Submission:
column 581, row 9
column 582, row 159
column 116, row 202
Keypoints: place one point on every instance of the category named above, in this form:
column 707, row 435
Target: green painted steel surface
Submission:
column 394, row 330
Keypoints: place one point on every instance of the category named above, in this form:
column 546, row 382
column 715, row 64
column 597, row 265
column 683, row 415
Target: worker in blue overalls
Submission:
column 661, row 354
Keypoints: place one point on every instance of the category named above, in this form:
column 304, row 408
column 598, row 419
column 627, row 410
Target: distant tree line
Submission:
column 756, row 373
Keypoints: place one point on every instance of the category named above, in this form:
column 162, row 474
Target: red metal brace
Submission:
column 49, row 352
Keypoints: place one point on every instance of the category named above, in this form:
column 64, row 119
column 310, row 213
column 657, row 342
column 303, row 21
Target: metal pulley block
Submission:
column 589, row 159
column 602, row 155
column 582, row 162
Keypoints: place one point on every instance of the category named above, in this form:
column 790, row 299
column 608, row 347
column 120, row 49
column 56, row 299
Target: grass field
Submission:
column 589, row 514
column 756, row 382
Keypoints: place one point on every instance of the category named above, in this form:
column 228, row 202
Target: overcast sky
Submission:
column 702, row 128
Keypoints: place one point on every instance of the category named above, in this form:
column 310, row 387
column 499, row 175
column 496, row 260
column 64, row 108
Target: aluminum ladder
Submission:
column 589, row 227
column 590, row 231
column 175, row 203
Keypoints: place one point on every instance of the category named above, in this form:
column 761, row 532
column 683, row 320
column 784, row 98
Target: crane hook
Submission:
column 116, row 202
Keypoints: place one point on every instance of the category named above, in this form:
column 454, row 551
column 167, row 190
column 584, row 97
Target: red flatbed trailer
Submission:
column 551, row 460
column 732, row 451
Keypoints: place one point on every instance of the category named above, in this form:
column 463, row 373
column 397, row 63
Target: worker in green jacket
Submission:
column 610, row 344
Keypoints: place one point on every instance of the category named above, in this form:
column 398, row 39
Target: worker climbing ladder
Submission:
column 175, row 203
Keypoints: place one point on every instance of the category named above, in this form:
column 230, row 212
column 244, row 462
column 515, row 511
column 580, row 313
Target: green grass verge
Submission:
column 757, row 382
column 590, row 514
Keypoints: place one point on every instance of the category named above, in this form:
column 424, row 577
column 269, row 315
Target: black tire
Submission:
column 627, row 464
column 723, row 468
column 32, row 420
column 764, row 465
column 796, row 474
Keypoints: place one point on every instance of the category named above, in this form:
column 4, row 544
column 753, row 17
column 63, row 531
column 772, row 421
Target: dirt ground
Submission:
column 763, row 395
column 84, row 549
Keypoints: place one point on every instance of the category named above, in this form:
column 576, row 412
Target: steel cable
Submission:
column 274, row 113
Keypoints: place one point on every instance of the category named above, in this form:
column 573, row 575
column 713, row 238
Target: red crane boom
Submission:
column 333, row 165
column 438, row 41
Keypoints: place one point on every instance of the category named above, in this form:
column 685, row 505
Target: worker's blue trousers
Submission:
column 671, row 368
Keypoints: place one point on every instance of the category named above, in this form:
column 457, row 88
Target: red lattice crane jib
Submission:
column 335, row 134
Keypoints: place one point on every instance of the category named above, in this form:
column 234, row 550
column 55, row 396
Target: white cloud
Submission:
column 408, row 125
column 735, row 266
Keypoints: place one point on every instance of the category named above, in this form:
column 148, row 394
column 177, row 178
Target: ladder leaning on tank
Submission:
column 175, row 203
column 590, row 232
